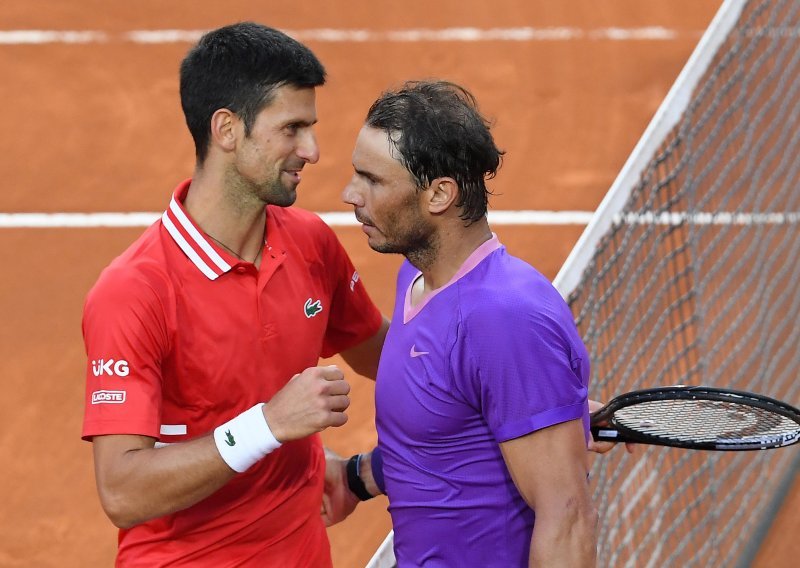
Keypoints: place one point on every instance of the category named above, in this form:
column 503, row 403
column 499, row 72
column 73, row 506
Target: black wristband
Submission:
column 354, row 481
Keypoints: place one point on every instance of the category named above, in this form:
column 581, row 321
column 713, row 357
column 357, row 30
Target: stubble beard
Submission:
column 275, row 192
column 286, row 199
column 248, row 192
column 418, row 244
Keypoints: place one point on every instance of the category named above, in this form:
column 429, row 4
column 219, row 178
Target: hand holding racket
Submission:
column 699, row 418
column 603, row 446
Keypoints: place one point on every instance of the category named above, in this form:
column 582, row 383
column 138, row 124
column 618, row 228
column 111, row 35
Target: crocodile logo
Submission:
column 230, row 441
column 312, row 308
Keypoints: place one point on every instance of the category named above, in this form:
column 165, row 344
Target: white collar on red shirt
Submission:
column 190, row 239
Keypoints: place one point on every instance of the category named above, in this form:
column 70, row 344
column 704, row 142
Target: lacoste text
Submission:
column 108, row 397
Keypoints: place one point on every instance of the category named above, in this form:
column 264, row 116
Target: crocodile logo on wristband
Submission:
column 230, row 441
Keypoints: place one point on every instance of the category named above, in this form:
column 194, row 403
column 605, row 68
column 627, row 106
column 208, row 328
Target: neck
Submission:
column 235, row 224
column 454, row 243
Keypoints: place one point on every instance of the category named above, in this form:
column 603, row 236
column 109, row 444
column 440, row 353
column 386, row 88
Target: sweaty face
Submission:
column 269, row 161
column 386, row 200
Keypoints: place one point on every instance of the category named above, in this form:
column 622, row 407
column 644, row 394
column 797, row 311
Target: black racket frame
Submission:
column 683, row 392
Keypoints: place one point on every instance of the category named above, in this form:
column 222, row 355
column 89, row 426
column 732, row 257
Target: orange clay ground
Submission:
column 97, row 127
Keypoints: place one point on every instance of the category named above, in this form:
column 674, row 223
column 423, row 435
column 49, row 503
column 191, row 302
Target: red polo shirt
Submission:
column 181, row 337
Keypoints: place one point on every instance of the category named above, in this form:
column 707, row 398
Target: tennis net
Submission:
column 687, row 274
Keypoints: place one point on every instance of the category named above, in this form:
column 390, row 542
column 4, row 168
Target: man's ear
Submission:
column 224, row 124
column 443, row 194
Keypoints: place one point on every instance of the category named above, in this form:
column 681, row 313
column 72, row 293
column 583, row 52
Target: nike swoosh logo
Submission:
column 415, row 353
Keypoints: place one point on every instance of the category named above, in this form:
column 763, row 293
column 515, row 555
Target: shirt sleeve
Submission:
column 354, row 317
column 125, row 335
column 517, row 362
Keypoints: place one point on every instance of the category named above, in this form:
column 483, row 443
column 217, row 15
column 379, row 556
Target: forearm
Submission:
column 137, row 481
column 556, row 488
column 567, row 538
column 146, row 482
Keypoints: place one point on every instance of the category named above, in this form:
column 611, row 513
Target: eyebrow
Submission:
column 301, row 122
column 367, row 174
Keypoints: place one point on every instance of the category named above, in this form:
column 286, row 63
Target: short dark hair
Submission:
column 238, row 67
column 438, row 131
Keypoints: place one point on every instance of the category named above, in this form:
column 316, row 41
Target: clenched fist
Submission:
column 310, row 402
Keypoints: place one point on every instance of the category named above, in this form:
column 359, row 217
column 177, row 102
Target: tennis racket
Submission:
column 698, row 418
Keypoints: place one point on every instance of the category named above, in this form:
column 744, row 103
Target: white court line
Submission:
column 334, row 219
column 76, row 220
column 465, row 34
column 19, row 37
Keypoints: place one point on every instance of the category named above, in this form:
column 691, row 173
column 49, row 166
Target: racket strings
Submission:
column 707, row 421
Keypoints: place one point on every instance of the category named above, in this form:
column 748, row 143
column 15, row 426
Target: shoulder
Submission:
column 507, row 290
column 139, row 275
column 505, row 282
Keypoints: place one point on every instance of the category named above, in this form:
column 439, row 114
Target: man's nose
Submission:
column 308, row 149
column 351, row 195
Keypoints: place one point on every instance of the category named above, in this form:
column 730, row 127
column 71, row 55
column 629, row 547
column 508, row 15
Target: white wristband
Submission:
column 244, row 440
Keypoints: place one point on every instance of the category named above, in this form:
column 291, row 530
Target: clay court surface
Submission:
column 97, row 127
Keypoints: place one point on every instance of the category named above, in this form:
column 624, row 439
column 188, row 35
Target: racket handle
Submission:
column 607, row 434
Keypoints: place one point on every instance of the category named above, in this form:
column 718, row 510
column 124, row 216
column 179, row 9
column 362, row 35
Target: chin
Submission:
column 385, row 248
column 284, row 198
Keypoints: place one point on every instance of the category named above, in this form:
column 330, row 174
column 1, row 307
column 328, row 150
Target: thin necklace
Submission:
column 233, row 252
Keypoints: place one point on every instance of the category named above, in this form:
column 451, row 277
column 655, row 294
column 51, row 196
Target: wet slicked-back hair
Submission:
column 238, row 67
column 436, row 128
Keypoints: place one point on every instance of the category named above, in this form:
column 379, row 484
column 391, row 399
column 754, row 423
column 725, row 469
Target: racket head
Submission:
column 700, row 418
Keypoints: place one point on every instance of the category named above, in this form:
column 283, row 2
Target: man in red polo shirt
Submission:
column 203, row 398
